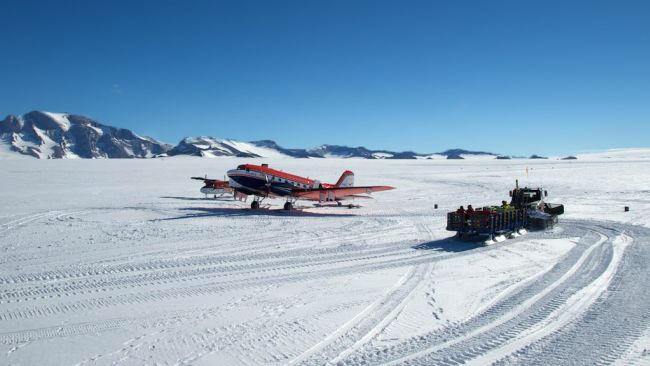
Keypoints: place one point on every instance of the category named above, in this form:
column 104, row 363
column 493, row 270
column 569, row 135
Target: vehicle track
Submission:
column 624, row 302
column 130, row 293
column 366, row 322
column 168, row 319
column 247, row 340
column 246, row 245
column 507, row 319
column 57, row 284
column 246, row 250
column 608, row 328
column 198, row 286
column 108, row 279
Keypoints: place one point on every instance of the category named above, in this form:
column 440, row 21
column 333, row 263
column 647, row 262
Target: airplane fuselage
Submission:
column 260, row 180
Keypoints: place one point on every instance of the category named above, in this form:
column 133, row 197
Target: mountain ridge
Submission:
column 50, row 135
column 208, row 146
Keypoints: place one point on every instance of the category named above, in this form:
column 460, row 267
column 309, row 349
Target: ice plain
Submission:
column 124, row 262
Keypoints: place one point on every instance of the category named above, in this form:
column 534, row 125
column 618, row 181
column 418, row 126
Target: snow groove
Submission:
column 261, row 277
column 199, row 280
column 488, row 330
column 608, row 328
column 365, row 323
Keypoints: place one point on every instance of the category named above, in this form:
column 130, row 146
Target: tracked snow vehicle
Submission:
column 541, row 215
column 526, row 211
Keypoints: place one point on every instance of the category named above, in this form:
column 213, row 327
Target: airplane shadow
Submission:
column 198, row 198
column 198, row 212
column 452, row 244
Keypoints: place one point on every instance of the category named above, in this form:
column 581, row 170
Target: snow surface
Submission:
column 44, row 149
column 100, row 132
column 124, row 262
column 638, row 153
column 478, row 157
column 230, row 146
column 60, row 118
column 7, row 154
column 254, row 149
column 438, row 157
column 382, row 155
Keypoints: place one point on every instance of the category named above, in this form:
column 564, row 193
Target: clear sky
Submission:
column 513, row 77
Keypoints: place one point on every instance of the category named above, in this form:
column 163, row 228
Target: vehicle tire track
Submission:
column 445, row 345
column 242, row 255
column 363, row 324
column 28, row 219
column 261, row 277
column 608, row 328
column 54, row 285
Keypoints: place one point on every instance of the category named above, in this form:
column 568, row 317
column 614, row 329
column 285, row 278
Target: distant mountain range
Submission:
column 206, row 146
column 47, row 135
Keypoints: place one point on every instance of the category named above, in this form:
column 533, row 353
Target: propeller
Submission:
column 268, row 184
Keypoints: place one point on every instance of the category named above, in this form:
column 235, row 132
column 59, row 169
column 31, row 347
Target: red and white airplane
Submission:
column 262, row 182
column 215, row 186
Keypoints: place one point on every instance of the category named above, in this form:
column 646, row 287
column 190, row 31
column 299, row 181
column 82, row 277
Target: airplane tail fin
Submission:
column 346, row 180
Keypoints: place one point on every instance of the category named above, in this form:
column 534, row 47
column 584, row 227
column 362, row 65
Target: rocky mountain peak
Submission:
column 47, row 135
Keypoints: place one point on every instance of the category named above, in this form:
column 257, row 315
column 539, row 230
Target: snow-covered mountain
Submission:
column 339, row 151
column 47, row 135
column 211, row 147
column 206, row 146
column 461, row 152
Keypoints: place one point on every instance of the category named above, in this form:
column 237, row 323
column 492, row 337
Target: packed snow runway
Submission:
column 124, row 262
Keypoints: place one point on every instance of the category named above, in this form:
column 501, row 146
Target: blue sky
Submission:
column 514, row 77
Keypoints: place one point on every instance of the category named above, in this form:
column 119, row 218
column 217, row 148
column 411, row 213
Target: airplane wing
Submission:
column 336, row 193
column 211, row 181
column 355, row 196
column 206, row 180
